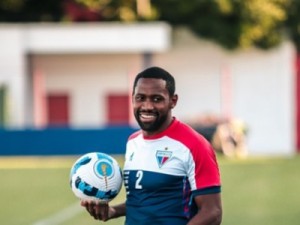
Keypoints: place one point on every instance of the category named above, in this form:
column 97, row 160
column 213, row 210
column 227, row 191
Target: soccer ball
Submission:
column 96, row 176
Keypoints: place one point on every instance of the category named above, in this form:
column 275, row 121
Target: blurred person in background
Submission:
column 227, row 136
column 171, row 174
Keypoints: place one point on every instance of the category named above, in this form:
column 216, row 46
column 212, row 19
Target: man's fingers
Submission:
column 98, row 210
column 101, row 210
column 90, row 207
column 83, row 203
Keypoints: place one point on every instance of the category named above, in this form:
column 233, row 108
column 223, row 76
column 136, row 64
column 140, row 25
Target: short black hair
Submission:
column 157, row 73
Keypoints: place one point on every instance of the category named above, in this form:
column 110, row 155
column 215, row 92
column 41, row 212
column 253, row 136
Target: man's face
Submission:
column 152, row 105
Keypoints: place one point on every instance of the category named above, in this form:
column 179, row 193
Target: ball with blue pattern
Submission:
column 96, row 176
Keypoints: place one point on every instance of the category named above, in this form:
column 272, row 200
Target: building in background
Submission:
column 80, row 76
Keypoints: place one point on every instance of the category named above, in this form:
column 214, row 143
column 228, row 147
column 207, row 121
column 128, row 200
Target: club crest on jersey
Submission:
column 162, row 157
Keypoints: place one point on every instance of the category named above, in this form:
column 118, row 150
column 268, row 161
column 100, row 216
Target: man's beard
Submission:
column 152, row 126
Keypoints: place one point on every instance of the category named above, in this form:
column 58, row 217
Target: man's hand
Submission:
column 98, row 210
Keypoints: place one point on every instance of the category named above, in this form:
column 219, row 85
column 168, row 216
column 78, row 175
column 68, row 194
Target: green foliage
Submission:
column 231, row 23
column 121, row 10
column 112, row 10
column 30, row 11
column 293, row 22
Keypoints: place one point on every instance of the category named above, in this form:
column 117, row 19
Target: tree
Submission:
column 122, row 10
column 75, row 10
column 292, row 23
column 230, row 23
column 30, row 11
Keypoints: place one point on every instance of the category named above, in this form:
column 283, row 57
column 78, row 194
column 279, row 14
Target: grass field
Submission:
column 262, row 191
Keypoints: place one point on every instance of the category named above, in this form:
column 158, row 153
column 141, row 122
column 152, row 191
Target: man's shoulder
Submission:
column 135, row 134
column 185, row 134
column 183, row 130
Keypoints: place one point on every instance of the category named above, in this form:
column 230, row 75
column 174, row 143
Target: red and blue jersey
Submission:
column 164, row 172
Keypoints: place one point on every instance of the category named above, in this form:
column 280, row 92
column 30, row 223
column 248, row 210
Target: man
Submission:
column 171, row 174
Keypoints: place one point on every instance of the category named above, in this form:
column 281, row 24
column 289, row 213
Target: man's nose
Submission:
column 148, row 105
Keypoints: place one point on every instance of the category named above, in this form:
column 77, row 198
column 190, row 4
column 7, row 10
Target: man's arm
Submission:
column 209, row 210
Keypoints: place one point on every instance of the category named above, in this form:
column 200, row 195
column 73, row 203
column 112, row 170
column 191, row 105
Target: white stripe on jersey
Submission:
column 164, row 155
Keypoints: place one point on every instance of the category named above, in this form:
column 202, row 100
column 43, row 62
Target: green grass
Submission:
column 261, row 191
column 255, row 191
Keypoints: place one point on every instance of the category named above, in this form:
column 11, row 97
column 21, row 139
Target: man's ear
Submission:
column 174, row 100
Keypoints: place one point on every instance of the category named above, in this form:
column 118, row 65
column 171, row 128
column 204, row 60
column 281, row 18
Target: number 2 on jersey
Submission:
column 139, row 176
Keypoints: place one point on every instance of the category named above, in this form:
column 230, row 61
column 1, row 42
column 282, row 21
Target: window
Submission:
column 58, row 109
column 117, row 109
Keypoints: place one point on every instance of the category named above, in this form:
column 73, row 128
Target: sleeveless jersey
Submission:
column 163, row 173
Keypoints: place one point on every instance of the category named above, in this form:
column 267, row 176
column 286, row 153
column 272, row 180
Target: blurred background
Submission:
column 66, row 74
column 67, row 67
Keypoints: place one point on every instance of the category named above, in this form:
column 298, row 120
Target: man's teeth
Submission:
column 147, row 116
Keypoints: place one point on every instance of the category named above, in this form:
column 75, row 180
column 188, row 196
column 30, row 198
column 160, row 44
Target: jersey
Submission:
column 164, row 172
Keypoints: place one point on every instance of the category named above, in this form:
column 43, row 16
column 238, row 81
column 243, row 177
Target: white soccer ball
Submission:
column 96, row 176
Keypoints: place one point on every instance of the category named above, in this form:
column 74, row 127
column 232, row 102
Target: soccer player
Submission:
column 171, row 174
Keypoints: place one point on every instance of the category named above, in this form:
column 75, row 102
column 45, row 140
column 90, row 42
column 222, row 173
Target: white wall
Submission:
column 17, row 41
column 262, row 88
column 262, row 82
column 13, row 73
column 87, row 79
column 264, row 96
column 97, row 37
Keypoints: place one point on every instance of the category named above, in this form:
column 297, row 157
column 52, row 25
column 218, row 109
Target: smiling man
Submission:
column 171, row 174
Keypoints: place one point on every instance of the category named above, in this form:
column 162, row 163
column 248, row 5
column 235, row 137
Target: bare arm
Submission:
column 209, row 210
column 102, row 211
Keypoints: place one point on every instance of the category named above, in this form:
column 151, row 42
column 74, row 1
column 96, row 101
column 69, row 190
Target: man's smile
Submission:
column 147, row 117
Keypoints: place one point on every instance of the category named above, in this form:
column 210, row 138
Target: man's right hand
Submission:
column 98, row 210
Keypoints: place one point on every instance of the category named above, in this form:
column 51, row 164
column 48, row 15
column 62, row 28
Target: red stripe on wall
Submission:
column 298, row 103
column 39, row 99
column 226, row 92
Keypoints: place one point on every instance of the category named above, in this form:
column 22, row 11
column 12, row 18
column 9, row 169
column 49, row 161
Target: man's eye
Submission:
column 156, row 99
column 138, row 98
